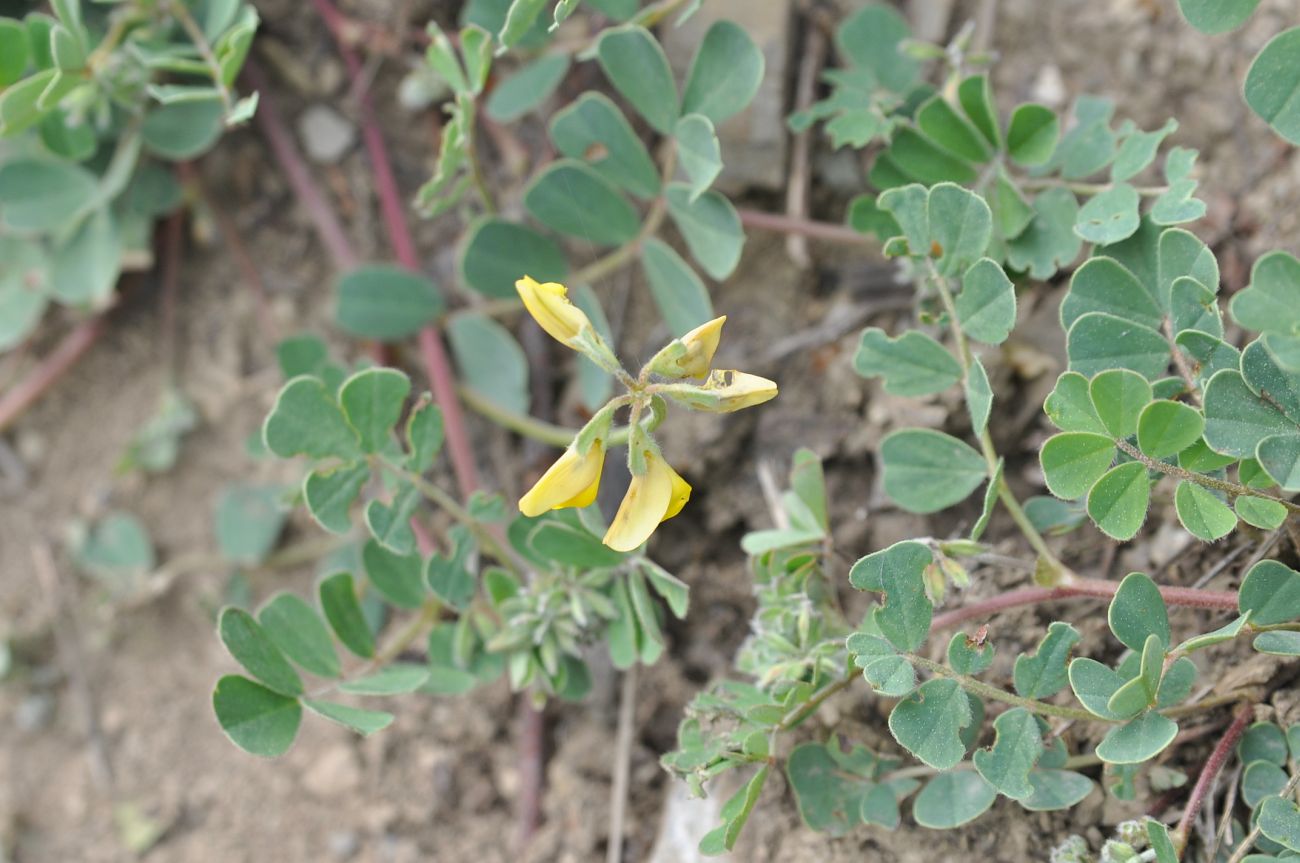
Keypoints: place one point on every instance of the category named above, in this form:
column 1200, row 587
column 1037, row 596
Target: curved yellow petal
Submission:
column 701, row 344
column 643, row 507
column 572, row 481
column 681, row 493
column 548, row 303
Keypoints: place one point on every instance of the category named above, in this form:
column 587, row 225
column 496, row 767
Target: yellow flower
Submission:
column 701, row 343
column 725, row 391
column 572, row 481
column 548, row 303
column 654, row 497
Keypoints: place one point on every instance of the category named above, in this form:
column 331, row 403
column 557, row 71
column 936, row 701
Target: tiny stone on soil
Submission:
column 326, row 135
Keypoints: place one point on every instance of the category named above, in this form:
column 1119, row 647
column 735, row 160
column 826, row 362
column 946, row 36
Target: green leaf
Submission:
column 330, row 491
column 928, row 723
column 117, row 550
column 1279, row 819
column 390, row 522
column 952, row 799
column 1260, row 780
column 698, row 151
column 829, row 797
column 424, row 434
column 1271, row 593
column 570, row 544
column 1273, row 84
column 1105, row 285
column 1140, row 691
column 926, row 470
column 450, row 577
column 943, row 125
column 966, row 656
column 572, row 198
column 1032, row 134
column 904, row 617
column 986, row 306
column 1138, row 149
column 1203, row 514
column 1138, row 611
column 527, row 88
column 1056, row 789
column 735, row 812
column 961, row 224
column 490, row 360
column 920, row 159
column 24, row 289
column 593, row 128
column 1281, row 643
column 871, row 39
column 182, row 130
column 1260, row 513
column 1094, row 685
column 725, row 74
column 256, row 719
column 1049, row 242
column 364, row 722
column 297, row 630
column 87, row 266
column 1016, row 748
column 1139, row 740
column 306, row 421
column 1073, row 462
column 1119, row 396
column 1227, row 632
column 1109, row 216
column 1263, row 741
column 1277, row 385
column 42, row 195
column 913, row 364
column 900, row 558
column 1236, row 419
column 1097, row 342
column 253, row 649
column 1208, row 354
column 1279, row 456
column 1167, row 428
column 1043, row 674
column 519, row 20
column 710, row 226
column 979, row 403
column 1271, row 302
column 399, row 578
column 1069, row 405
column 1216, row 16
column 639, row 71
column 679, row 293
column 13, row 51
column 976, row 99
column 395, row 679
column 372, row 401
column 248, row 522
column 498, row 253
column 385, row 302
column 338, row 599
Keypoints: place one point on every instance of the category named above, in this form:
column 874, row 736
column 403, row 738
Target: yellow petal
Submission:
column 647, row 499
column 701, row 344
column 681, row 493
column 572, row 481
column 548, row 303
column 724, row 391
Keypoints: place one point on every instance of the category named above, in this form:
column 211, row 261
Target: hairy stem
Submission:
column 195, row 32
column 1232, row 488
column 1210, row 772
column 994, row 693
column 1005, row 495
column 542, row 431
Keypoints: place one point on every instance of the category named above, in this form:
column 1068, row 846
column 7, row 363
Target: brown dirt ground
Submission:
column 439, row 785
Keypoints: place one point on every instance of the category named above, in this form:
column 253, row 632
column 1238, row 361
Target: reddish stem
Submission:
column 1225, row 600
column 1218, row 757
column 21, row 395
column 801, row 227
column 391, row 206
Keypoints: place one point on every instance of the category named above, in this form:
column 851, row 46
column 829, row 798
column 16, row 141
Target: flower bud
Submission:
column 692, row 354
column 724, row 391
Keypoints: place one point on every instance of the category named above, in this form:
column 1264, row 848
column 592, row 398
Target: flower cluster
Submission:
column 679, row 372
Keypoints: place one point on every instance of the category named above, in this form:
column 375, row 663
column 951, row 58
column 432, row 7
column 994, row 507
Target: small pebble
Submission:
column 326, row 135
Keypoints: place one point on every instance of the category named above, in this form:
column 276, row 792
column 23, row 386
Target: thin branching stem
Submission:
column 1232, row 488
